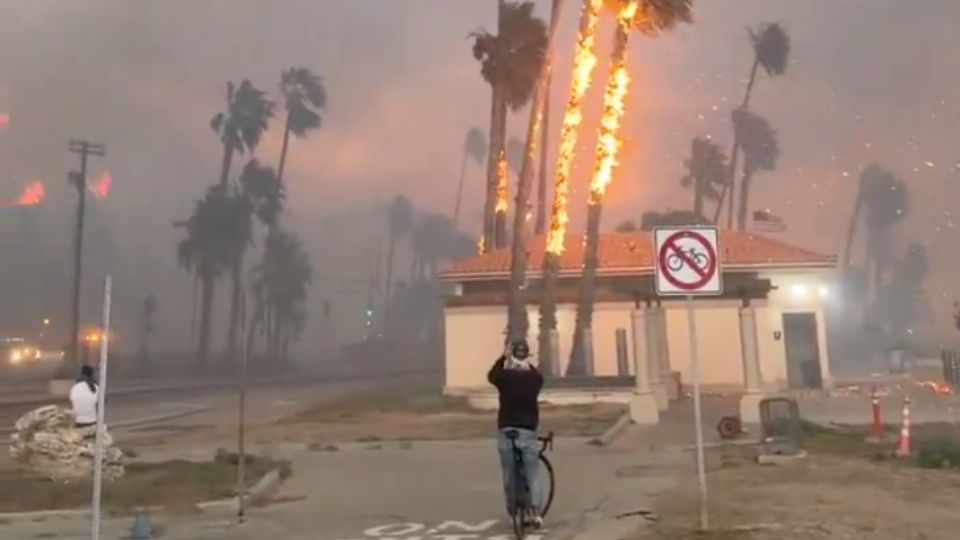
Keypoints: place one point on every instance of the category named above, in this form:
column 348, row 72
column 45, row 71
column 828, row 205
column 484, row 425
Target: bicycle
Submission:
column 675, row 262
column 524, row 511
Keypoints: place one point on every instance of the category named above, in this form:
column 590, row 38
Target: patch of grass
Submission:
column 176, row 484
column 940, row 453
column 825, row 440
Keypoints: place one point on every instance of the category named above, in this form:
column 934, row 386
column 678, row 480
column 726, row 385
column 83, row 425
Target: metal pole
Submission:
column 101, row 410
column 241, row 416
column 697, row 414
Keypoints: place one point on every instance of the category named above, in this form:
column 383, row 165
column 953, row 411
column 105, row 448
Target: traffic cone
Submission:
column 877, row 418
column 903, row 450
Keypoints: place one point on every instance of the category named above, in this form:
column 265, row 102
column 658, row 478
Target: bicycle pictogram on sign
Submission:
column 687, row 261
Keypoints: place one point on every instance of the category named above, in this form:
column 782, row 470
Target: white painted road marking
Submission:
column 447, row 530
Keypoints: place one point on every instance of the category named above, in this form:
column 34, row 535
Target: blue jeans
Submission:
column 529, row 448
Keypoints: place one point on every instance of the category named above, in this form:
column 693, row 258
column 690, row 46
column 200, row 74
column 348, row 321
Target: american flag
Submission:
column 765, row 221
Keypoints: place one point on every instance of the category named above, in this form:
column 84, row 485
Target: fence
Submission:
column 951, row 367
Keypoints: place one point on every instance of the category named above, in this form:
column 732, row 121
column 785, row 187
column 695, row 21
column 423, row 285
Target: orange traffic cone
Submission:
column 903, row 450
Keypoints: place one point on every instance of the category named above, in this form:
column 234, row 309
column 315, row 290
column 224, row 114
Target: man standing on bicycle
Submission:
column 518, row 382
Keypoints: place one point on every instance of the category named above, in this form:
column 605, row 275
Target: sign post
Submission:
column 101, row 412
column 687, row 264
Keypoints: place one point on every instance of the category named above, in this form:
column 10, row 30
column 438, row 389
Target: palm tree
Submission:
column 540, row 221
column 305, row 99
column 760, row 152
column 771, row 50
column 475, row 149
column 517, row 320
column 213, row 232
column 242, row 124
column 584, row 62
column 510, row 63
column 650, row 17
column 264, row 194
column 886, row 202
column 400, row 217
column 240, row 128
column 280, row 283
column 706, row 172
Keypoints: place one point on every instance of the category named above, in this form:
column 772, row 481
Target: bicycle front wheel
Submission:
column 548, row 485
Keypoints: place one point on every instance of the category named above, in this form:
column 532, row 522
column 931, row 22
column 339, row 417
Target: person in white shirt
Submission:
column 83, row 399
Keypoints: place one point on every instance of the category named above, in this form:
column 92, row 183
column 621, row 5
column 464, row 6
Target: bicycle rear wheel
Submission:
column 548, row 484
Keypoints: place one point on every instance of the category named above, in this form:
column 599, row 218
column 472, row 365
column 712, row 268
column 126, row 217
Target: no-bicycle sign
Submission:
column 687, row 261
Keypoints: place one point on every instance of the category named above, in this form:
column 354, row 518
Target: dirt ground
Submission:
column 840, row 491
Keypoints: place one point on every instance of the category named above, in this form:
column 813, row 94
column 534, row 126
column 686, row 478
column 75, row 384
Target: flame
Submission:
column 584, row 61
column 481, row 245
column 32, row 195
column 608, row 143
column 4, row 120
column 101, row 187
column 501, row 206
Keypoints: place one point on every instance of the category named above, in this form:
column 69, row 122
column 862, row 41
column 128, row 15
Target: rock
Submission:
column 47, row 444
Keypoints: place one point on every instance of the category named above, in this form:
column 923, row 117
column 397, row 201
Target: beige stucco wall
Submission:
column 474, row 335
column 718, row 341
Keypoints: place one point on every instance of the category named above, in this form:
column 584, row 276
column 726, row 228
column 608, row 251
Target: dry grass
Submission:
column 173, row 484
column 840, row 491
column 421, row 414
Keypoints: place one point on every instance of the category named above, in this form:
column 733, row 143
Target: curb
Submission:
column 614, row 432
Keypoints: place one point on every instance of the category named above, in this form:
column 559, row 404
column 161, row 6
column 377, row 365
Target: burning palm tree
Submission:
column 650, row 17
column 584, row 62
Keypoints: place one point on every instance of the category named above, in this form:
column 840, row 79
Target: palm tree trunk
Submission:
column 387, row 285
column 498, row 116
column 193, row 307
column 581, row 75
column 697, row 197
column 251, row 331
column 735, row 153
column 579, row 355
column 234, row 328
column 225, row 166
column 852, row 228
column 517, row 321
column 283, row 151
column 744, row 202
column 463, row 174
column 548, row 313
column 207, row 284
column 540, row 222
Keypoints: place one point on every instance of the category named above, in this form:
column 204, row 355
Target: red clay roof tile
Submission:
column 632, row 253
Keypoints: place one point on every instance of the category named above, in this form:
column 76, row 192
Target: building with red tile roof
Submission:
column 764, row 334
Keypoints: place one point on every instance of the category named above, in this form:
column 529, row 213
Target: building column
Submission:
column 643, row 404
column 752, row 376
column 664, row 388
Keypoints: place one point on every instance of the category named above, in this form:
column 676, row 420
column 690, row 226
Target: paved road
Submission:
column 419, row 491
column 265, row 402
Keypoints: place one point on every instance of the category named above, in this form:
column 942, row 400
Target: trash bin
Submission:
column 780, row 421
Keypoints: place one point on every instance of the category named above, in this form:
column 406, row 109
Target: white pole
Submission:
column 697, row 414
column 101, row 404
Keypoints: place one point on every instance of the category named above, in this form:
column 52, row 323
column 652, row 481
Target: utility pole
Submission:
column 78, row 179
